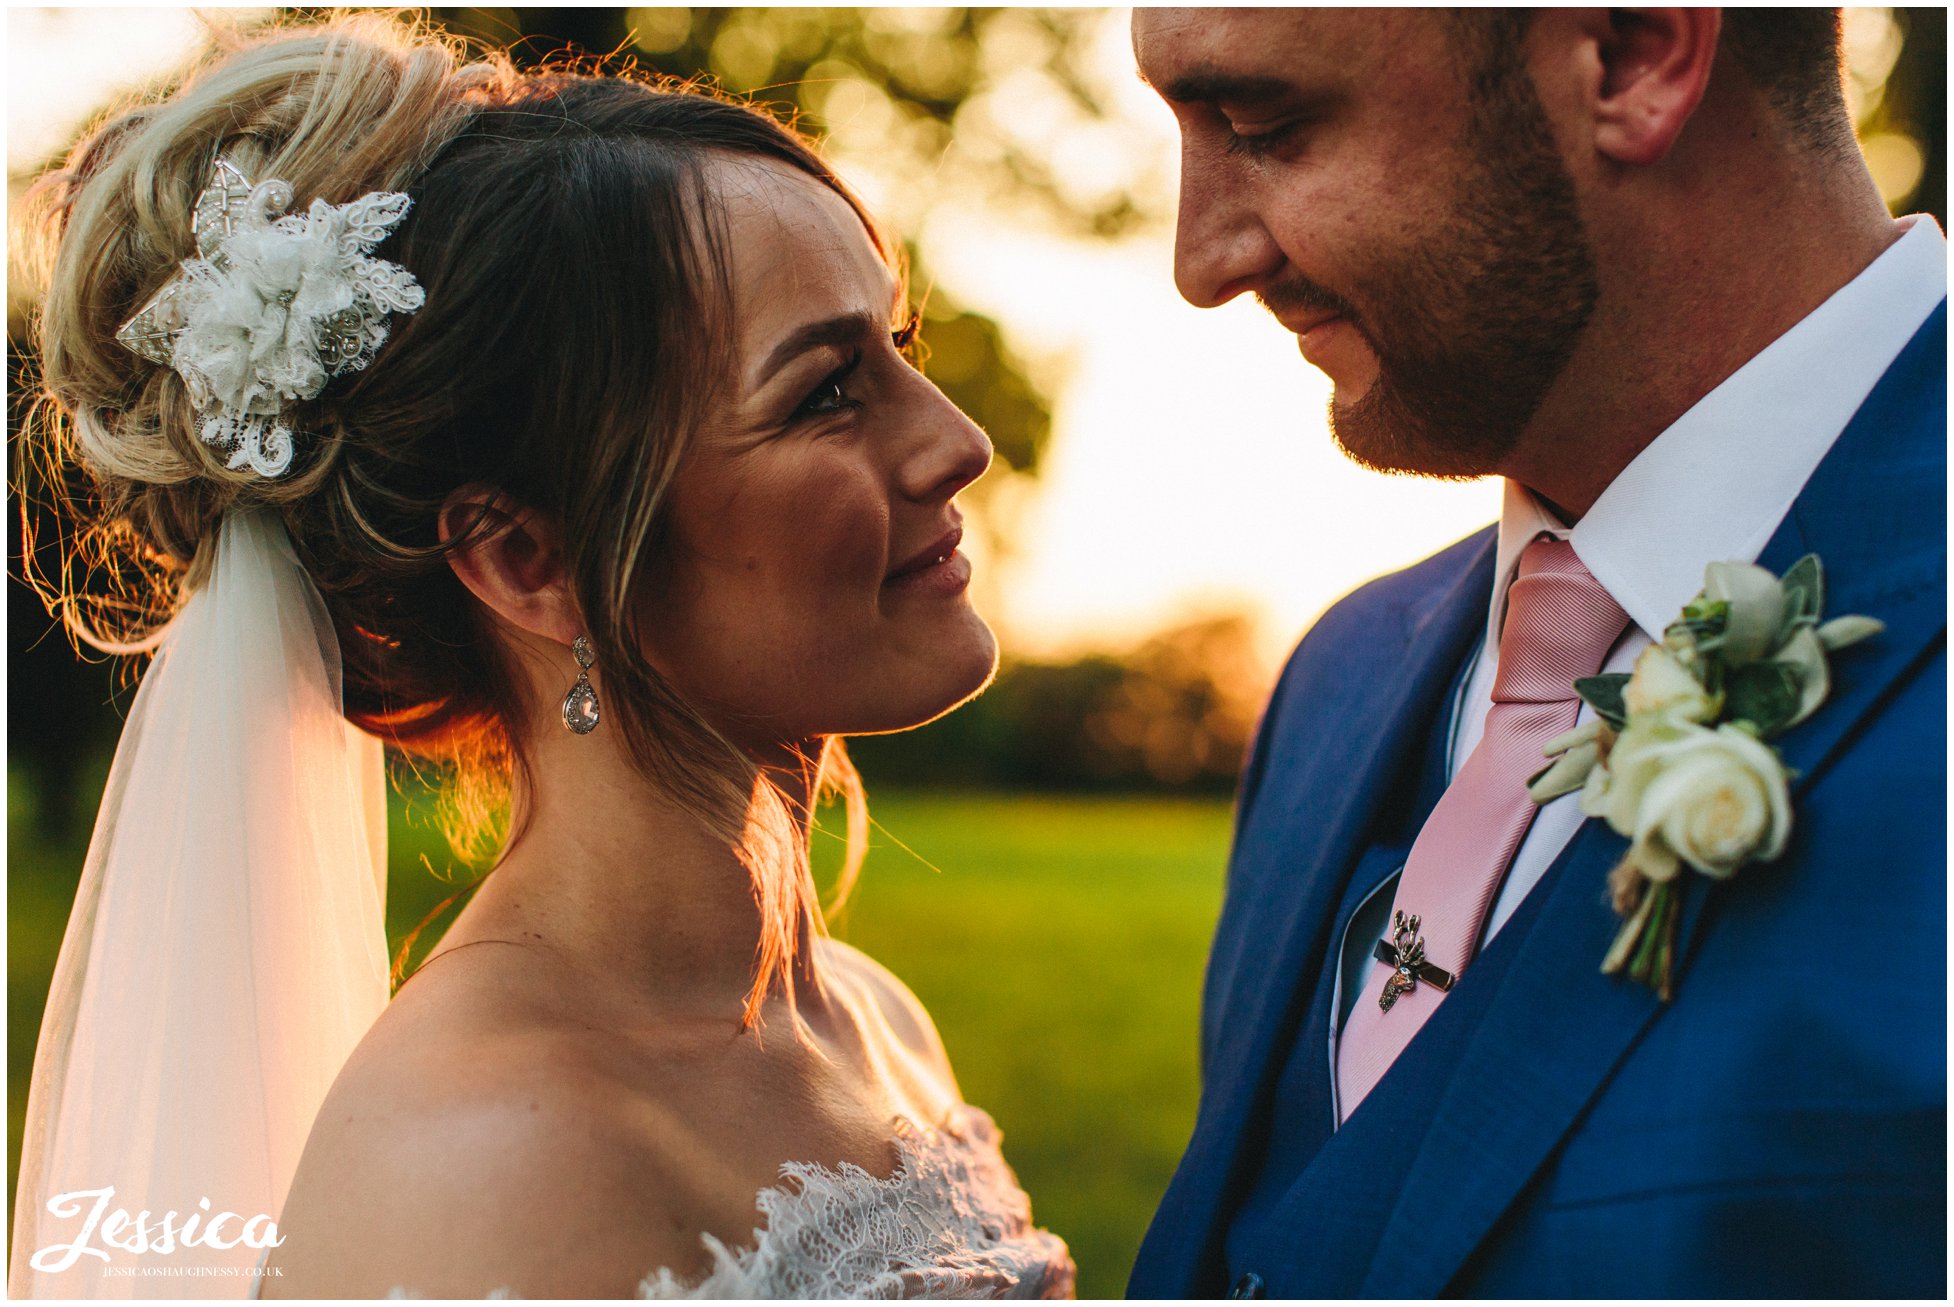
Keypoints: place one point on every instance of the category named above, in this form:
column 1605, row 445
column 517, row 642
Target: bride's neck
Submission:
column 635, row 885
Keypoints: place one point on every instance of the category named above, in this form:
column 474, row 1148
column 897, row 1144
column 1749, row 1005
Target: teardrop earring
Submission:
column 580, row 705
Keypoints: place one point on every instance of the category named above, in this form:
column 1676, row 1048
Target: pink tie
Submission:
column 1560, row 625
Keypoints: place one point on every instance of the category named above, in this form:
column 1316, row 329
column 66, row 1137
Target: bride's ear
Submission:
column 511, row 558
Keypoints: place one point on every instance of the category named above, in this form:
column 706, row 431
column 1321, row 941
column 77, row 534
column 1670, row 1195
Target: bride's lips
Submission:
column 937, row 567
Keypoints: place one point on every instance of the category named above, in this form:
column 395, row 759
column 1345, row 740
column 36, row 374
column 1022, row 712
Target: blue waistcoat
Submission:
column 1778, row 1130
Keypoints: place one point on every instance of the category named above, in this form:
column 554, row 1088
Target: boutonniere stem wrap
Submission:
column 1678, row 758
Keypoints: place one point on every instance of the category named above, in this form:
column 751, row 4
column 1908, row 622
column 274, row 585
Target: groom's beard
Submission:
column 1471, row 328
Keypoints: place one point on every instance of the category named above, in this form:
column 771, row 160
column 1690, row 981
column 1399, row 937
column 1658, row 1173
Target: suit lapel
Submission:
column 1875, row 512
column 1876, row 515
column 1268, row 957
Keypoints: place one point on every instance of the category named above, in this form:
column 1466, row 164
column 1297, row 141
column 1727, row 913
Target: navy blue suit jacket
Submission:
column 1779, row 1129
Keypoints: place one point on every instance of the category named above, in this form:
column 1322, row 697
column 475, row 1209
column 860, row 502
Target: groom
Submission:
column 1630, row 261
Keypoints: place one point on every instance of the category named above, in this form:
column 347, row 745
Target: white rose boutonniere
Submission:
column 1677, row 760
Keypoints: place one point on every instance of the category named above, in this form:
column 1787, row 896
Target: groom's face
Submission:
column 1389, row 186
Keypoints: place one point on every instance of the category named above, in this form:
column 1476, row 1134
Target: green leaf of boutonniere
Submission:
column 1704, row 612
column 1767, row 695
column 1842, row 632
column 1804, row 596
column 1700, row 629
column 1804, row 656
column 1604, row 695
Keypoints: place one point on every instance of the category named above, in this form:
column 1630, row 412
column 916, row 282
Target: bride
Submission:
column 557, row 431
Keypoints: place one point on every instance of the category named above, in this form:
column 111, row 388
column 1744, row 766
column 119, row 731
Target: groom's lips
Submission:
column 1318, row 336
column 1311, row 324
column 1305, row 323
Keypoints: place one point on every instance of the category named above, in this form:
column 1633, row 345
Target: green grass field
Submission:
column 1057, row 941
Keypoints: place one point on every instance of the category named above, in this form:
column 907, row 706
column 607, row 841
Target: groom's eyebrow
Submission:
column 1211, row 86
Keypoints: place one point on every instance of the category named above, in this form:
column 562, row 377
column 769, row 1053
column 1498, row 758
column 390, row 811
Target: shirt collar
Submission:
column 1717, row 482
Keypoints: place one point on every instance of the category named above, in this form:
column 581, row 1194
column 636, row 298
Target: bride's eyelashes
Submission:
column 907, row 337
column 831, row 395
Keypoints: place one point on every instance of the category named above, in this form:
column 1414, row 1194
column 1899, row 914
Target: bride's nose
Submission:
column 946, row 451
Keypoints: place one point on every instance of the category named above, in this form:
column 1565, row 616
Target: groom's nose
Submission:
column 1221, row 247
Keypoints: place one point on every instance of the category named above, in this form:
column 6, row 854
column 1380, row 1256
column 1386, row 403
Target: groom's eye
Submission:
column 1260, row 140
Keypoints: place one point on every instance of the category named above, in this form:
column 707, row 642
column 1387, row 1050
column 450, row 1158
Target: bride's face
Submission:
column 814, row 584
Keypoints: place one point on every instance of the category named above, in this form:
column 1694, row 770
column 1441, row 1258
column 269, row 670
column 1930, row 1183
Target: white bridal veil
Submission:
column 225, row 952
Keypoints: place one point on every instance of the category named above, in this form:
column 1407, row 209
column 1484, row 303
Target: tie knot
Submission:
column 1560, row 625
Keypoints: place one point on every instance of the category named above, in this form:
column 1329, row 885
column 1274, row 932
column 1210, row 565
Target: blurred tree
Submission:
column 1174, row 714
column 1896, row 81
column 941, row 104
column 1185, row 706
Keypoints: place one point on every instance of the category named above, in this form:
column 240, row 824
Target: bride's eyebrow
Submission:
column 842, row 329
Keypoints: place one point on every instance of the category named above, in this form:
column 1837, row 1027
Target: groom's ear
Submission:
column 511, row 558
column 1642, row 73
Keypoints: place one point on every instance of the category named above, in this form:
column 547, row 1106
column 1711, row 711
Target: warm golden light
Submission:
column 1190, row 469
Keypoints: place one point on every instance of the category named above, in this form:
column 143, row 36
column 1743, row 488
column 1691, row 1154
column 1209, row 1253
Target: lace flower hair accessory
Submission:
column 273, row 307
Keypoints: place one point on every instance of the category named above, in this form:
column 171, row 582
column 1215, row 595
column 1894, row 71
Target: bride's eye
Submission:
column 831, row 396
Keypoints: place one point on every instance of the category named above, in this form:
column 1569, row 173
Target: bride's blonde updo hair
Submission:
column 576, row 325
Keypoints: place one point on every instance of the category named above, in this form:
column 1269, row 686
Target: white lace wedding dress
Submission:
column 949, row 1222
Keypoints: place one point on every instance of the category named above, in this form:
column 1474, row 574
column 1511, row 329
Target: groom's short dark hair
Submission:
column 1792, row 55
column 1795, row 56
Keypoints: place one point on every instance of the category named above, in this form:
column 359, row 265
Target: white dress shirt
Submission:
column 1712, row 487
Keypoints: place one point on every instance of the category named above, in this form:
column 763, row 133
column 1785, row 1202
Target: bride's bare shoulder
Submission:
column 899, row 1007
column 468, row 1147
